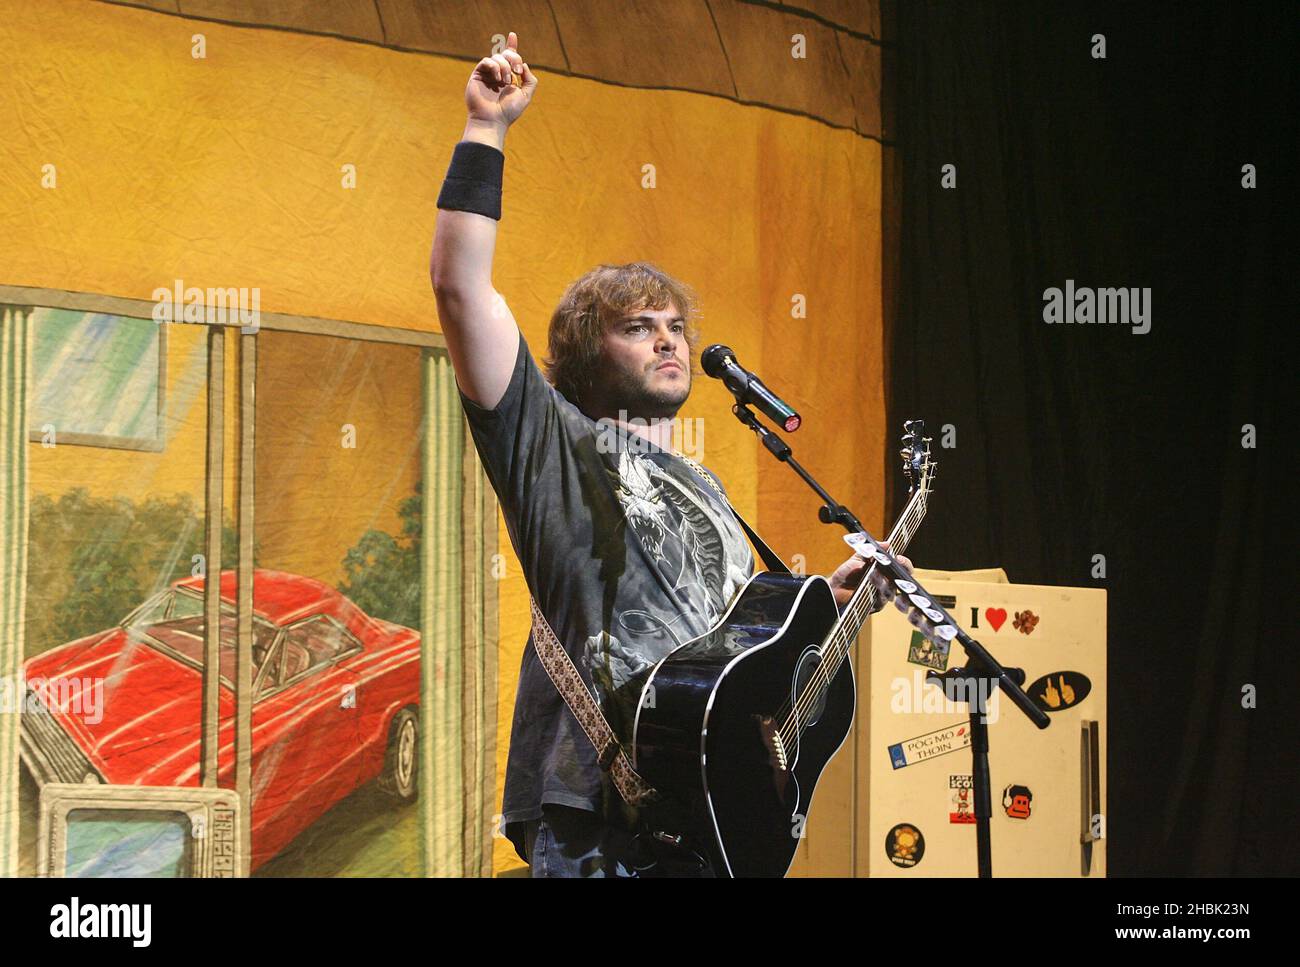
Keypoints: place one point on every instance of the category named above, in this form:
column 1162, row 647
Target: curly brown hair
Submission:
column 602, row 297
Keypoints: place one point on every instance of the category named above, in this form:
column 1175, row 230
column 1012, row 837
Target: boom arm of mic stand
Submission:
column 832, row 512
column 989, row 665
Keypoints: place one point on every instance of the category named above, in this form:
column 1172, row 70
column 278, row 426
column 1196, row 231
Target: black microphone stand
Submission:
column 980, row 663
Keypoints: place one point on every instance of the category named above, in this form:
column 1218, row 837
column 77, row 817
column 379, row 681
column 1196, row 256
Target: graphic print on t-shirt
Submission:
column 681, row 532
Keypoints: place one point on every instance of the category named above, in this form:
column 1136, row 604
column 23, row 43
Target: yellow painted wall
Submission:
column 338, row 446
column 226, row 171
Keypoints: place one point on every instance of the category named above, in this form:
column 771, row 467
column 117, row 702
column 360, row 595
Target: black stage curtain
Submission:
column 1076, row 440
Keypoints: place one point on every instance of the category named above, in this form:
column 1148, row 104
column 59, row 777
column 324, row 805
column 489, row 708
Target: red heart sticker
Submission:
column 997, row 617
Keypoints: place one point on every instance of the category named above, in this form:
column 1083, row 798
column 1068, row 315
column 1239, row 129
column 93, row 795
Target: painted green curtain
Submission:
column 458, row 626
column 14, row 330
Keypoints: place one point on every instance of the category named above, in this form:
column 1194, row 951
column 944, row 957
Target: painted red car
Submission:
column 337, row 701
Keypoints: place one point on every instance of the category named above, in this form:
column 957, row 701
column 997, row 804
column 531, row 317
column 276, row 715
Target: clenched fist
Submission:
column 500, row 87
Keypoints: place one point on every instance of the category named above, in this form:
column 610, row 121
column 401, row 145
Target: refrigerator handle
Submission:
column 1091, row 822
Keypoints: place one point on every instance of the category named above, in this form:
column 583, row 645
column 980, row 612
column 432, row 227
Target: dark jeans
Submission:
column 574, row 842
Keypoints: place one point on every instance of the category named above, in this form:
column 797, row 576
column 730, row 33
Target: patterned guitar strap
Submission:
column 568, row 682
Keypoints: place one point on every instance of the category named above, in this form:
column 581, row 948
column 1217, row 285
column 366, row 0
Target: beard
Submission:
column 635, row 394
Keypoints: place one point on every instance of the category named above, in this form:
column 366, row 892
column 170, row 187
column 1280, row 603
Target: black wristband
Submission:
column 473, row 182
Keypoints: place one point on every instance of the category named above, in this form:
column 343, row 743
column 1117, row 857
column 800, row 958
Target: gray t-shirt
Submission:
column 629, row 553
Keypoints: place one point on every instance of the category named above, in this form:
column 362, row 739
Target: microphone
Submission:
column 719, row 362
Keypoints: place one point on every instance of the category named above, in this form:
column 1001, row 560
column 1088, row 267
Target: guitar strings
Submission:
column 861, row 600
column 830, row 664
column 910, row 515
column 841, row 642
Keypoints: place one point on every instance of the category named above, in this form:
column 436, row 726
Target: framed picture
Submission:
column 98, row 379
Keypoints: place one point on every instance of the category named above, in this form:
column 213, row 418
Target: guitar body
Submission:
column 716, row 731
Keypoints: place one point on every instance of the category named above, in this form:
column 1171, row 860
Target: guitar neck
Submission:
column 863, row 602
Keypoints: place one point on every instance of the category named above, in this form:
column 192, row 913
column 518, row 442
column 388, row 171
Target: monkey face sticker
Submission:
column 1016, row 800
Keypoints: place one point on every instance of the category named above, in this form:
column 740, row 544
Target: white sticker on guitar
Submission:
column 860, row 543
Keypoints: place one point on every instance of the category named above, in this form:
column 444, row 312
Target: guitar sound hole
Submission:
column 807, row 681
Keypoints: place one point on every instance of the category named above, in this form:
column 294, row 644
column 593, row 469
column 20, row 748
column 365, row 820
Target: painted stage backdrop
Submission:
column 285, row 159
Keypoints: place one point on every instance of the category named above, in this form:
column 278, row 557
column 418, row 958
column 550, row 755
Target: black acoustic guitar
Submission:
column 735, row 727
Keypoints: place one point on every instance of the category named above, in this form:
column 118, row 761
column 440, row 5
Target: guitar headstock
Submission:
column 918, row 466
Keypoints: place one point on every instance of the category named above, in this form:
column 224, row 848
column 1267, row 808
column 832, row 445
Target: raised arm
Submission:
column 481, row 332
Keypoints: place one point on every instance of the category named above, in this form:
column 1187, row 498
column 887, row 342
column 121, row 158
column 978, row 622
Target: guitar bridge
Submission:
column 775, row 745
